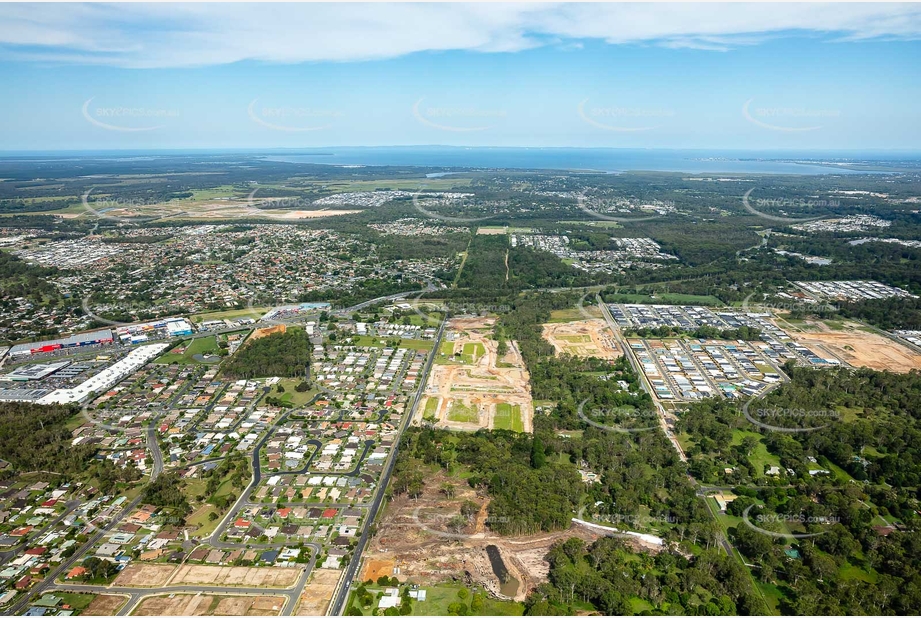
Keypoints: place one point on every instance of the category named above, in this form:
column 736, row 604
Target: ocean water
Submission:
column 595, row 159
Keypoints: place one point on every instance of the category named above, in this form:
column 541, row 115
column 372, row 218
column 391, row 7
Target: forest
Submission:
column 864, row 557
column 284, row 354
column 35, row 438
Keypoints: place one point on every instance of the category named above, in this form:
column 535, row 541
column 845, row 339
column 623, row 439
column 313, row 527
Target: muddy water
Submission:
column 508, row 585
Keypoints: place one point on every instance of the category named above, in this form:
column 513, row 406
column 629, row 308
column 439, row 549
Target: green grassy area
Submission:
column 574, row 314
column 640, row 605
column 434, row 318
column 772, row 596
column 77, row 600
column 508, row 417
column 202, row 345
column 459, row 413
column 254, row 313
column 431, row 406
column 200, row 520
column 439, row 597
column 375, row 342
column 291, row 395
column 760, row 457
column 851, row 572
column 473, row 352
column 575, row 338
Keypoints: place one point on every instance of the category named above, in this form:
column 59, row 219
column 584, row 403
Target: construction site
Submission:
column 860, row 348
column 582, row 338
column 423, row 541
column 471, row 387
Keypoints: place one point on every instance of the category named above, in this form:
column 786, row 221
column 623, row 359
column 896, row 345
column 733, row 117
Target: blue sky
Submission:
column 829, row 76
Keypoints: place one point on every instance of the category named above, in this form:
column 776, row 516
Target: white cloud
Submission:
column 177, row 35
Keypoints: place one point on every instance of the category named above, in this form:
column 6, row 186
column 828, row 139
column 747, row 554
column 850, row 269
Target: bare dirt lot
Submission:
column 104, row 605
column 861, row 349
column 207, row 605
column 318, row 592
column 144, row 575
column 259, row 333
column 249, row 606
column 264, row 577
column 468, row 388
column 582, row 338
column 492, row 231
column 376, row 568
column 420, row 539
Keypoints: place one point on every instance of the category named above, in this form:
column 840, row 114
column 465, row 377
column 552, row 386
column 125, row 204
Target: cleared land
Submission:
column 207, row 605
column 416, row 537
column 144, row 575
column 471, row 385
column 582, row 338
column 376, row 568
column 508, row 417
column 104, row 605
column 259, row 333
column 862, row 349
column 318, row 592
column 264, row 577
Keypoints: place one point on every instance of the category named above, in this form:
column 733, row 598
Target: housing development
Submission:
column 264, row 354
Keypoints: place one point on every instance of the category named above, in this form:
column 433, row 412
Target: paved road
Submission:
column 67, row 564
column 13, row 552
column 337, row 605
column 136, row 595
column 663, row 415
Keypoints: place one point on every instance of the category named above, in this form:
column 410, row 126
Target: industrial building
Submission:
column 96, row 337
column 139, row 333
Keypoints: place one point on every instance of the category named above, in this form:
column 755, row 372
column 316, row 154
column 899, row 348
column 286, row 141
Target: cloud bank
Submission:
column 188, row 35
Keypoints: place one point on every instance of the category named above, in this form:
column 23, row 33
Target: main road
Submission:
column 342, row 591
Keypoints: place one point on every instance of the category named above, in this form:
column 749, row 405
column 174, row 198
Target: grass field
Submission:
column 508, row 417
column 254, row 313
column 574, row 314
column 202, row 345
column 431, row 405
column 200, row 518
column 473, row 352
column 291, row 395
column 760, row 457
column 76, row 600
column 410, row 344
column 439, row 597
column 459, row 413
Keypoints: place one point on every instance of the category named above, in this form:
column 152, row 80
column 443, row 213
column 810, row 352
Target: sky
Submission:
column 832, row 76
